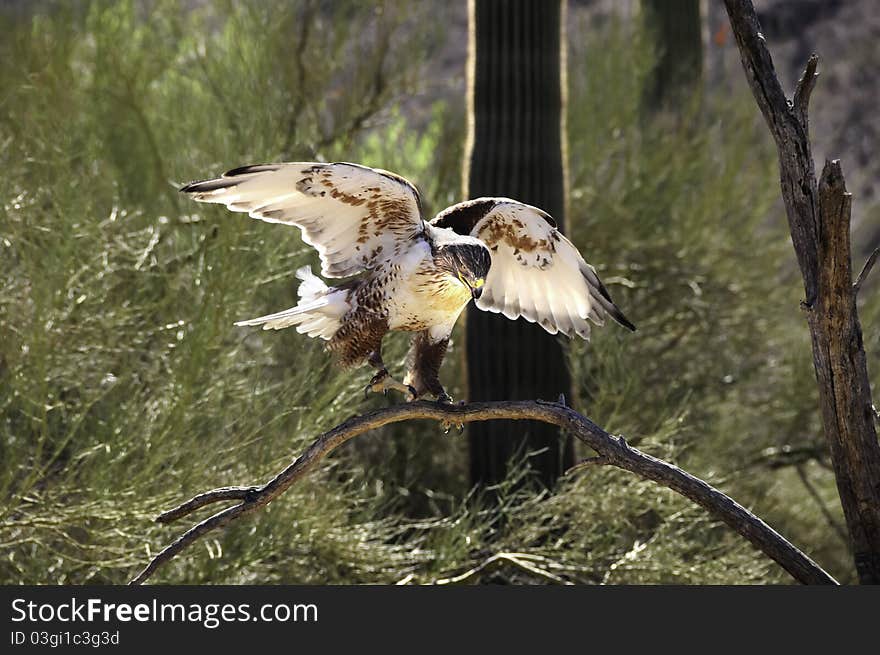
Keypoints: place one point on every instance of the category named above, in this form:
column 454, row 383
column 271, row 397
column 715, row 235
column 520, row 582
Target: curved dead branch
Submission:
column 612, row 450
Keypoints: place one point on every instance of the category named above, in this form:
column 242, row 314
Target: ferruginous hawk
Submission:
column 412, row 275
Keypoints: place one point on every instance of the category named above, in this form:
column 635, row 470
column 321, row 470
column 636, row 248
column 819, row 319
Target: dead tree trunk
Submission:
column 819, row 221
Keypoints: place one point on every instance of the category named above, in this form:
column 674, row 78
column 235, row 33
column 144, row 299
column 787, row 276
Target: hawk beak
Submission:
column 476, row 292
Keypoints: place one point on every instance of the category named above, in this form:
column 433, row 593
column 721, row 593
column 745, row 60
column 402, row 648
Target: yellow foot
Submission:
column 382, row 382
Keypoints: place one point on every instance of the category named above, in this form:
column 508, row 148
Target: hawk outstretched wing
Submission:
column 536, row 272
column 356, row 217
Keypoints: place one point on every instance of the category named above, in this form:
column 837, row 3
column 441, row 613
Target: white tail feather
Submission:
column 312, row 286
column 318, row 313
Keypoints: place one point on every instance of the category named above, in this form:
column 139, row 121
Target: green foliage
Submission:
column 124, row 387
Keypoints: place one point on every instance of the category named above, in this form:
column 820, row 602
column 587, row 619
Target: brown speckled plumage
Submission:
column 359, row 335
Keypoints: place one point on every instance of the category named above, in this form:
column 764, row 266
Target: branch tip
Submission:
column 244, row 494
column 597, row 460
column 804, row 88
column 866, row 269
column 832, row 176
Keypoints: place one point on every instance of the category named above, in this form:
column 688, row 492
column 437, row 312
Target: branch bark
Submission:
column 819, row 221
column 613, row 450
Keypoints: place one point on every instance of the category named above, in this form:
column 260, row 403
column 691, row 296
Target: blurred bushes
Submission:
column 125, row 387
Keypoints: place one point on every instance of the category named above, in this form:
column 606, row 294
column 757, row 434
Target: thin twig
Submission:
column 215, row 496
column 865, row 270
column 597, row 460
column 371, row 103
column 614, row 449
column 522, row 561
column 777, row 457
column 814, row 493
column 301, row 85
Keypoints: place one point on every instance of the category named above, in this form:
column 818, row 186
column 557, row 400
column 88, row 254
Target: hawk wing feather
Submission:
column 355, row 217
column 536, row 272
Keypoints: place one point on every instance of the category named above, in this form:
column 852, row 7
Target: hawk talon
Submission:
column 374, row 381
column 445, row 399
column 382, row 381
column 448, row 425
column 381, row 375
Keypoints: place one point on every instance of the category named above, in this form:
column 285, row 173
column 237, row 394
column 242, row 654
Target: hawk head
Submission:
column 467, row 262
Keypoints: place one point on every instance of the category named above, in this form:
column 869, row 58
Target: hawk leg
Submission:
column 425, row 357
column 382, row 381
